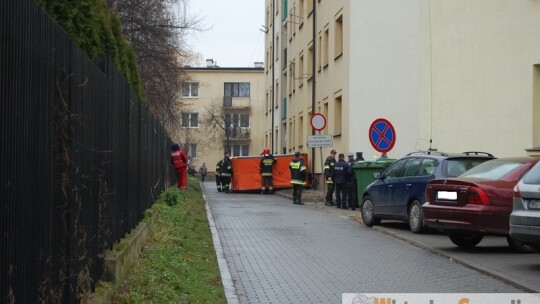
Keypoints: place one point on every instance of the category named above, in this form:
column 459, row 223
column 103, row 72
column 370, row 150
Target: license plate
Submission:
column 447, row 195
column 534, row 204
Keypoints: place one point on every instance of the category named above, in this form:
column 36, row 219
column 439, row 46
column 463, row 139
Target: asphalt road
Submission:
column 277, row 252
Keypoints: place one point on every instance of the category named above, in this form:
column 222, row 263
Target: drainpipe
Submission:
column 313, row 74
column 273, row 68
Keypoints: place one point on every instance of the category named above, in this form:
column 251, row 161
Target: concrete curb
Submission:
column 226, row 277
column 118, row 263
column 453, row 259
column 426, row 247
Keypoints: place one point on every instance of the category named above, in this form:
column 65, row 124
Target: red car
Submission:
column 476, row 203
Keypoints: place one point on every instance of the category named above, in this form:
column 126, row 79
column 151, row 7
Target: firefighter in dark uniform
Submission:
column 298, row 177
column 329, row 163
column 226, row 173
column 340, row 176
column 218, row 175
column 352, row 191
column 266, row 165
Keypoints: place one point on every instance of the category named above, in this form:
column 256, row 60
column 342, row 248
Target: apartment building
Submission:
column 449, row 75
column 232, row 95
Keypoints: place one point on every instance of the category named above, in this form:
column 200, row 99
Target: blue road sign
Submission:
column 382, row 135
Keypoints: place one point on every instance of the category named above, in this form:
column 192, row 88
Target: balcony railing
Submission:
column 238, row 134
column 236, row 102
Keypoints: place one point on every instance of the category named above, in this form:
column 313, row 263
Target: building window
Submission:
column 310, row 61
column 301, row 130
column 236, row 89
column 325, row 113
column 301, row 13
column 337, row 115
column 240, row 150
column 300, row 76
column 192, row 151
column 325, row 47
column 190, row 120
column 190, row 89
column 277, row 48
column 338, row 39
column 237, row 120
column 319, row 54
column 285, row 9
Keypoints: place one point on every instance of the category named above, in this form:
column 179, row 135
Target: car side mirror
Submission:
column 377, row 175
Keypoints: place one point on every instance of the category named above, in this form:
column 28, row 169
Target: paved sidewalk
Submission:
column 278, row 252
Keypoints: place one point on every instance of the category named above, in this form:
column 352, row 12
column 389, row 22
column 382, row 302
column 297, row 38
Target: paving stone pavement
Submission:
column 278, row 252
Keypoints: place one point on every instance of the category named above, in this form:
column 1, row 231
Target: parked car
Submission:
column 398, row 192
column 525, row 217
column 477, row 203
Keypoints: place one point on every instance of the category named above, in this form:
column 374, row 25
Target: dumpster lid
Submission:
column 378, row 162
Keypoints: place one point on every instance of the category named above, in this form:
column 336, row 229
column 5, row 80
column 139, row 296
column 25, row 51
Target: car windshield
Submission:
column 457, row 166
column 493, row 169
column 533, row 177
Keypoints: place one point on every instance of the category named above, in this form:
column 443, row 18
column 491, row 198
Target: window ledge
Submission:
column 337, row 135
column 325, row 66
column 338, row 56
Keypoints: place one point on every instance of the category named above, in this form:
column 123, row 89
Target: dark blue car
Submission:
column 399, row 191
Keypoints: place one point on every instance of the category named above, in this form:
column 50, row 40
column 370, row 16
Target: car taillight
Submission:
column 517, row 193
column 477, row 196
column 429, row 194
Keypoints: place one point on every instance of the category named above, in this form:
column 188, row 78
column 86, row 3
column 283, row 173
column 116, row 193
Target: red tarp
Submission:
column 247, row 175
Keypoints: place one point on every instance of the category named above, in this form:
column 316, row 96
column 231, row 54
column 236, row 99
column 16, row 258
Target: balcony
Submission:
column 239, row 134
column 236, row 103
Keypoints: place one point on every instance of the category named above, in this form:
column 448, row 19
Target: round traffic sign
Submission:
column 382, row 135
column 318, row 121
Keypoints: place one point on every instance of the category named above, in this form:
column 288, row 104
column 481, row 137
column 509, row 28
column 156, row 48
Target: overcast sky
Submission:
column 234, row 38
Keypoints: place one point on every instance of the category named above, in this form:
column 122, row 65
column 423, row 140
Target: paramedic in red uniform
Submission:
column 179, row 161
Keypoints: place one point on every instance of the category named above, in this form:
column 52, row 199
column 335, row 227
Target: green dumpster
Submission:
column 364, row 170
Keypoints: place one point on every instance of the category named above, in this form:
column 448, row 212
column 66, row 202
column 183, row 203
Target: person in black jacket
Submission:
column 266, row 165
column 340, row 176
column 218, row 175
column 328, row 165
column 226, row 173
column 298, row 177
column 352, row 191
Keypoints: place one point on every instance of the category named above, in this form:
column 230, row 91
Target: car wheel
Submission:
column 519, row 247
column 416, row 218
column 368, row 215
column 465, row 240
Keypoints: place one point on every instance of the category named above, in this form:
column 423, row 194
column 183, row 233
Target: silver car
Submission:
column 525, row 217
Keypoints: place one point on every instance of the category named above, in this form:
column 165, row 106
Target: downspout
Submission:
column 273, row 68
column 314, row 62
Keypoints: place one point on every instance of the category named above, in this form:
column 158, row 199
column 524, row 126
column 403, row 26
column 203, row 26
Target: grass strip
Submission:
column 178, row 263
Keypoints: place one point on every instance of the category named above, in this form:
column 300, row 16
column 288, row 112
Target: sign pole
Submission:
column 318, row 122
column 322, row 170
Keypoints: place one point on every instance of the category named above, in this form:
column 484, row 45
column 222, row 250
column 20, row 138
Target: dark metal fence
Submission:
column 81, row 160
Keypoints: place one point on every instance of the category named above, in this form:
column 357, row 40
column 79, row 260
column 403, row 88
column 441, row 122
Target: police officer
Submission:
column 352, row 192
column 218, row 175
column 340, row 174
column 298, row 177
column 226, row 173
column 329, row 163
column 266, row 165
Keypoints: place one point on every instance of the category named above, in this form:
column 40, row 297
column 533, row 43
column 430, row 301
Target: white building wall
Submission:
column 477, row 74
column 384, row 77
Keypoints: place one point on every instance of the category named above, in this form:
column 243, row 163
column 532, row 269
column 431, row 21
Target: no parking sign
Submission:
column 382, row 135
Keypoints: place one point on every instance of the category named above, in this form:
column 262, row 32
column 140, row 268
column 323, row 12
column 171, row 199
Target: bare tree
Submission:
column 157, row 29
column 222, row 124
